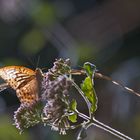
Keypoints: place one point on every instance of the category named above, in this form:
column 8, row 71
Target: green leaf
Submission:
column 73, row 117
column 73, row 105
column 90, row 69
column 88, row 86
column 88, row 89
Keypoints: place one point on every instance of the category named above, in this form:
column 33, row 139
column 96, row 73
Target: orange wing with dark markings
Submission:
column 23, row 80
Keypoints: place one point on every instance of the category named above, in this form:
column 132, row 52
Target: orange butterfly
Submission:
column 25, row 81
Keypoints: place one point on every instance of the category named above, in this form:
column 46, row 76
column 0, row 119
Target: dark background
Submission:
column 107, row 33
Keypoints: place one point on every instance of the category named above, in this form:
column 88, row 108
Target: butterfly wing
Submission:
column 3, row 86
column 23, row 80
column 16, row 75
column 28, row 94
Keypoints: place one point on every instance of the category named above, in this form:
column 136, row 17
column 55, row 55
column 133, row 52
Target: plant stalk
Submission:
column 82, row 94
column 103, row 127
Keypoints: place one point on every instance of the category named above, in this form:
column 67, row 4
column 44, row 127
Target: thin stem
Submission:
column 83, row 115
column 92, row 120
column 104, row 127
column 101, row 127
column 109, row 129
column 99, row 75
column 82, row 94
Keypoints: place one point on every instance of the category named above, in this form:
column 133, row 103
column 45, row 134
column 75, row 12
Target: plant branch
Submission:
column 82, row 94
column 101, row 76
column 103, row 127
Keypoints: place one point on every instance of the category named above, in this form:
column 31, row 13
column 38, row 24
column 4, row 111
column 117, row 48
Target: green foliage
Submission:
column 90, row 69
column 87, row 86
column 73, row 105
column 73, row 116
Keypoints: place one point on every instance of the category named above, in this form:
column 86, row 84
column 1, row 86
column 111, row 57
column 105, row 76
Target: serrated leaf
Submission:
column 73, row 105
column 73, row 117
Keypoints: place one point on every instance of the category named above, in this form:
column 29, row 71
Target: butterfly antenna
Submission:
column 99, row 75
column 31, row 61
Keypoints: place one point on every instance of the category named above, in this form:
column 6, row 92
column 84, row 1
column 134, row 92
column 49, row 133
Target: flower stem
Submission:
column 103, row 127
column 82, row 94
column 101, row 76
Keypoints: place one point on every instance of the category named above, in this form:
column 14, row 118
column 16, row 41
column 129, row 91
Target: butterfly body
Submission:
column 24, row 81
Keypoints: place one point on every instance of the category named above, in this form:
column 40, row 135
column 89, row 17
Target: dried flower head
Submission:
column 54, row 107
column 56, row 94
column 55, row 89
column 26, row 116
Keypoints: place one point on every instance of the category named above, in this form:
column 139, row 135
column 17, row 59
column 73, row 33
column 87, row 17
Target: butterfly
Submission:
column 24, row 81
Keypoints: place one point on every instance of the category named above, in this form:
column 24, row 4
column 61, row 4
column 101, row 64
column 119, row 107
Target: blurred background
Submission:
column 104, row 32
